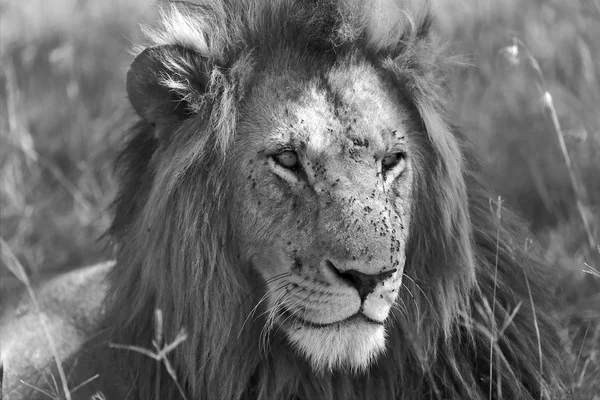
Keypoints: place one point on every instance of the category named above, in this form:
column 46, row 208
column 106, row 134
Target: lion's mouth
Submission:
column 290, row 317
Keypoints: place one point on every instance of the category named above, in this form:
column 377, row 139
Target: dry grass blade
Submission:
column 548, row 102
column 498, row 214
column 98, row 396
column 40, row 390
column 581, row 348
column 528, row 243
column 160, row 355
column 10, row 260
column 158, row 342
column 591, row 270
column 509, row 320
column 513, row 52
column 82, row 384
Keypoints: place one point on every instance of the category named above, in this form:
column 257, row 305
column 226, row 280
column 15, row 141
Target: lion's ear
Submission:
column 166, row 83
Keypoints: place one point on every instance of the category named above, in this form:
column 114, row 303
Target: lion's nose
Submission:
column 364, row 283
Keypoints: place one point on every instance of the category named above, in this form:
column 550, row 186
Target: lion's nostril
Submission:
column 364, row 283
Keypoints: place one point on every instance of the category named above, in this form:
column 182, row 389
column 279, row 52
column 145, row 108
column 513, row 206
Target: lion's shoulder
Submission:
column 71, row 308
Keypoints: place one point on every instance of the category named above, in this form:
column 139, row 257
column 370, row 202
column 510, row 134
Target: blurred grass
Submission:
column 499, row 103
column 63, row 111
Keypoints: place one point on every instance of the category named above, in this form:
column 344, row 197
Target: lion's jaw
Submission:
column 349, row 347
column 318, row 230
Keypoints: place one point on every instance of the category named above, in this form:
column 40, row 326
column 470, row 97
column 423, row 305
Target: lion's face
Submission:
column 323, row 197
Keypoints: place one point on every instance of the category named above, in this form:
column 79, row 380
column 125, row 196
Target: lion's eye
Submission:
column 391, row 160
column 287, row 159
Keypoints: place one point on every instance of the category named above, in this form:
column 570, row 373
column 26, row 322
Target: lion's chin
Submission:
column 349, row 346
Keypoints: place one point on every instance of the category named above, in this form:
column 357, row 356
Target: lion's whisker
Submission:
column 412, row 296
column 291, row 307
column 278, row 276
column 274, row 303
column 267, row 282
column 265, row 331
column 400, row 306
column 290, row 315
column 421, row 290
column 263, row 298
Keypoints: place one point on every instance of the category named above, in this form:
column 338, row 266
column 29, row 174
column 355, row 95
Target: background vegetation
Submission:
column 63, row 113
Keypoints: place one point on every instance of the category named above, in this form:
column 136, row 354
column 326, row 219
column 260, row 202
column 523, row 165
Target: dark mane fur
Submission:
column 176, row 250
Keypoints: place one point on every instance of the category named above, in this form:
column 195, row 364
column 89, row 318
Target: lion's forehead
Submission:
column 328, row 118
column 325, row 114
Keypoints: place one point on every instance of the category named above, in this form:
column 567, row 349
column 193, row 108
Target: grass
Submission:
column 63, row 113
column 529, row 102
column 11, row 262
column 160, row 352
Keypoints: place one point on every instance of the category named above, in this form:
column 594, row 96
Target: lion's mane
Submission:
column 177, row 252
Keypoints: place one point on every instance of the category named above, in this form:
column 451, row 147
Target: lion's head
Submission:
column 294, row 198
column 323, row 182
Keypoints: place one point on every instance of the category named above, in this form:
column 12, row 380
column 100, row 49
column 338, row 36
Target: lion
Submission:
column 297, row 219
